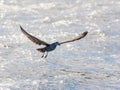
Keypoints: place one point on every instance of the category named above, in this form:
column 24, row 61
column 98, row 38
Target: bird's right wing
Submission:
column 76, row 38
column 33, row 39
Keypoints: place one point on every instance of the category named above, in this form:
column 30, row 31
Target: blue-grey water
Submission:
column 93, row 63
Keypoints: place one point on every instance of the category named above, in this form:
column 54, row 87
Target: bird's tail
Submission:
column 41, row 50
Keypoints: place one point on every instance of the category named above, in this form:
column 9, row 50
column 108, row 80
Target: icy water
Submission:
column 92, row 63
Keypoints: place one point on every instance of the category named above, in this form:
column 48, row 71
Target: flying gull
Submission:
column 49, row 47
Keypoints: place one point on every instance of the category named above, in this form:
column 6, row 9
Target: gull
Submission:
column 49, row 47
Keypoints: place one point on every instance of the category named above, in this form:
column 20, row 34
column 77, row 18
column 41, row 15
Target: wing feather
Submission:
column 76, row 38
column 32, row 38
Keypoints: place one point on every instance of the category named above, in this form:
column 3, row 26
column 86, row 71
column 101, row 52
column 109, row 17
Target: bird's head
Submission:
column 57, row 43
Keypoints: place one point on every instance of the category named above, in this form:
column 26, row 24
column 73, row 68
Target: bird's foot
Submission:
column 44, row 55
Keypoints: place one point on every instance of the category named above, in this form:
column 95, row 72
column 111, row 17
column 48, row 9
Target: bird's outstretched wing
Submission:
column 32, row 38
column 76, row 38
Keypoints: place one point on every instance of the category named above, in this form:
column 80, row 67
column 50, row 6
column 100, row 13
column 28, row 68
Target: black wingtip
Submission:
column 21, row 27
column 85, row 33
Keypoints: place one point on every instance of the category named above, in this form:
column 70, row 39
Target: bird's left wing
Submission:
column 76, row 38
column 33, row 39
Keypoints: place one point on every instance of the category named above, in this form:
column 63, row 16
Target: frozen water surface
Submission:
column 92, row 63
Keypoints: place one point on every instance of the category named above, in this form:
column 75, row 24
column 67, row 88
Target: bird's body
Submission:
column 52, row 46
column 49, row 47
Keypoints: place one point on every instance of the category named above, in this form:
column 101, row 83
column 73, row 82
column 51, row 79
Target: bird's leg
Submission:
column 43, row 55
column 46, row 54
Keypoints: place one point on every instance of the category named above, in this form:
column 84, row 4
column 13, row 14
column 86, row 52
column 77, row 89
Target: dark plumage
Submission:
column 49, row 47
